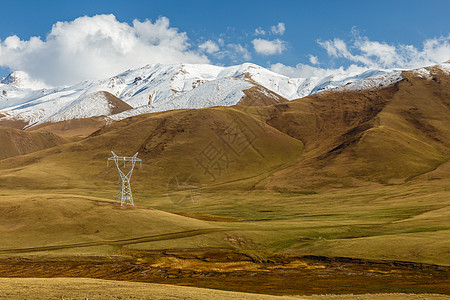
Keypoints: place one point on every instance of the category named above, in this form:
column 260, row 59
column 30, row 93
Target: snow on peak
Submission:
column 445, row 67
column 430, row 71
column 375, row 82
column 96, row 104
column 423, row 73
column 225, row 91
column 160, row 87
column 22, row 80
column 15, row 78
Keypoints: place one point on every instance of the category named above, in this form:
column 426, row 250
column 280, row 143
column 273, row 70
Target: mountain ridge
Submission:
column 164, row 87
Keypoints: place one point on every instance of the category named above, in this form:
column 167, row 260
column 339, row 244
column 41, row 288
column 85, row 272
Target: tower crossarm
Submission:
column 117, row 159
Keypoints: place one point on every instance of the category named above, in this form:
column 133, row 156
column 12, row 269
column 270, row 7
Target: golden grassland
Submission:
column 407, row 222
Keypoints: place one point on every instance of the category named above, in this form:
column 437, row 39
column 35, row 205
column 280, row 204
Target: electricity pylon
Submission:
column 124, row 190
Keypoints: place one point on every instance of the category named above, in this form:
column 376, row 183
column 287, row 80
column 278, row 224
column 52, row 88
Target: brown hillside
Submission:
column 72, row 128
column 18, row 124
column 209, row 146
column 260, row 96
column 18, row 142
column 387, row 135
column 117, row 104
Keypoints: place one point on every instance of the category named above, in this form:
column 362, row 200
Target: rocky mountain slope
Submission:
column 155, row 88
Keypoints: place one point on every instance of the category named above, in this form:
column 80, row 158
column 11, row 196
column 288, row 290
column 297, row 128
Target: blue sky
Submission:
column 297, row 38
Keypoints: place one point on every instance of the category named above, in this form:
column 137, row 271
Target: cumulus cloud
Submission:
column 265, row 47
column 278, row 29
column 209, row 47
column 97, row 47
column 374, row 54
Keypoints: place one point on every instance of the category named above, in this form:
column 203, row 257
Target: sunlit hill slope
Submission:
column 339, row 137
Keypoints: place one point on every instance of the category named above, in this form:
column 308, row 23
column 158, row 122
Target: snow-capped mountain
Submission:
column 20, row 79
column 155, row 88
column 17, row 88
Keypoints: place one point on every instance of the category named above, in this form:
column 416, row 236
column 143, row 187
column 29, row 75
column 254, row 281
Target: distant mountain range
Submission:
column 26, row 103
column 390, row 128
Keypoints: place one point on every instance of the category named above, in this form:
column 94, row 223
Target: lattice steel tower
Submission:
column 124, row 190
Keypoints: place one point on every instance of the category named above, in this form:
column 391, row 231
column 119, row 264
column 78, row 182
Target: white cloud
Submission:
column 266, row 47
column 366, row 55
column 278, row 29
column 96, row 47
column 336, row 47
column 313, row 59
column 209, row 47
column 375, row 54
column 385, row 55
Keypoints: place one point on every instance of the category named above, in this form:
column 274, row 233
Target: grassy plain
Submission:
column 409, row 222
